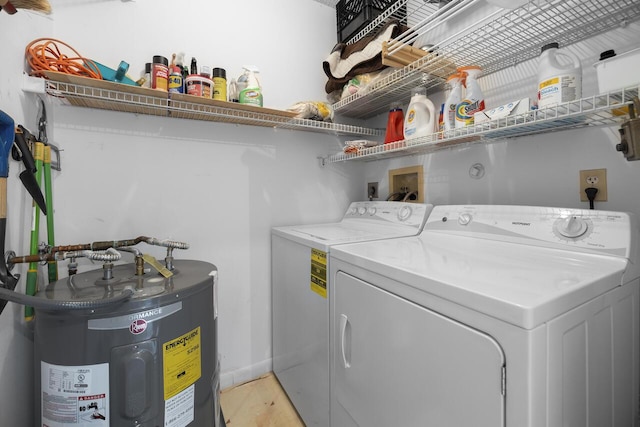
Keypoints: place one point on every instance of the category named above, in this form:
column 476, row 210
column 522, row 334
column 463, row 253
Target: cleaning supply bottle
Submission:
column 176, row 84
column 252, row 94
column 473, row 100
column 453, row 99
column 395, row 124
column 558, row 83
column 421, row 115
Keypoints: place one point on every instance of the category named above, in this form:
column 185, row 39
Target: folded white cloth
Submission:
column 340, row 67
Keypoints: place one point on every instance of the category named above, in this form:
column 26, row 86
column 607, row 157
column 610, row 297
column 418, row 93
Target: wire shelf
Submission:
column 504, row 39
column 149, row 102
column 598, row 110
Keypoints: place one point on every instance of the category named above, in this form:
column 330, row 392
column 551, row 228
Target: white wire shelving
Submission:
column 116, row 97
column 494, row 42
column 599, row 110
column 497, row 41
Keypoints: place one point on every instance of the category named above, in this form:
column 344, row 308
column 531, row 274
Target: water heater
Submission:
column 148, row 361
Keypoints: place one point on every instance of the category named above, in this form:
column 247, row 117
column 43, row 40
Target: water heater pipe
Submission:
column 46, row 304
column 96, row 246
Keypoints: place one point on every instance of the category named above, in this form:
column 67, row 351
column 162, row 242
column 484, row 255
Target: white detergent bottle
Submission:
column 453, row 99
column 252, row 93
column 558, row 82
column 421, row 117
column 473, row 101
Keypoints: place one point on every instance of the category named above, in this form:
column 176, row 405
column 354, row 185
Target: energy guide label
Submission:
column 319, row 272
column 74, row 395
column 182, row 362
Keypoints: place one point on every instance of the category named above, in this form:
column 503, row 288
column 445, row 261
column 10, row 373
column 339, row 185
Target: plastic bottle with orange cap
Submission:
column 473, row 100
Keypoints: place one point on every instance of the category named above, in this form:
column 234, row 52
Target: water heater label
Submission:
column 319, row 272
column 74, row 395
column 179, row 410
column 182, row 362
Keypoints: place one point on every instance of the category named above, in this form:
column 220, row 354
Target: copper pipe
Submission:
column 95, row 246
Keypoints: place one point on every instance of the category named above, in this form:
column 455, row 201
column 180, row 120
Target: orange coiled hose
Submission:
column 45, row 54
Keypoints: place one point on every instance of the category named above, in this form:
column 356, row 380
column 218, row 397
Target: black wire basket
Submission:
column 353, row 15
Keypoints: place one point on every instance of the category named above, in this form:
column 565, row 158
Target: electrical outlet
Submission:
column 594, row 178
column 372, row 190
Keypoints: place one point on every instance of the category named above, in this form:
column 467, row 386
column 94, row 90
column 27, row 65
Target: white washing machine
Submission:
column 300, row 263
column 493, row 316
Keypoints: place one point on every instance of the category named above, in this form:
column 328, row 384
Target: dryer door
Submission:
column 396, row 363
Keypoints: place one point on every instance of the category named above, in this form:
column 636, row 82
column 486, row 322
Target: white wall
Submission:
column 219, row 187
column 16, row 395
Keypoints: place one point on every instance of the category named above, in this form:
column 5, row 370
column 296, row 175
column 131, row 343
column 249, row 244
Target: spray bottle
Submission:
column 252, row 94
column 473, row 101
column 421, row 115
column 455, row 81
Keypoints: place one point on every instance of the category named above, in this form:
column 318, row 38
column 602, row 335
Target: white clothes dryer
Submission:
column 300, row 263
column 493, row 316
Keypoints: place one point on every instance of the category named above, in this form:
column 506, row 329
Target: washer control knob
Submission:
column 464, row 219
column 362, row 210
column 352, row 211
column 404, row 213
column 572, row 226
column 372, row 211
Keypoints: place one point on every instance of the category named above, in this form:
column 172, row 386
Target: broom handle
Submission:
column 32, row 272
column 52, row 264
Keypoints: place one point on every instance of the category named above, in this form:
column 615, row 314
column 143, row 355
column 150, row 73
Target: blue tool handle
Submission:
column 7, row 133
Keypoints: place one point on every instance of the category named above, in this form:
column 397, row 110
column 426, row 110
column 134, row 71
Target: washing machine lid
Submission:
column 522, row 285
column 363, row 221
column 512, row 263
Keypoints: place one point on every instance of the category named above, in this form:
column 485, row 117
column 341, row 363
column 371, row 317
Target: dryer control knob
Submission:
column 572, row 226
column 372, row 211
column 362, row 210
column 464, row 219
column 404, row 213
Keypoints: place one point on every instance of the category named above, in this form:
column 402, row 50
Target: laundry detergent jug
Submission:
column 558, row 82
column 395, row 124
column 421, row 115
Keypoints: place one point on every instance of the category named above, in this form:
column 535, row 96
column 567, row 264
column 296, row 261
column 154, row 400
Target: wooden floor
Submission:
column 258, row 403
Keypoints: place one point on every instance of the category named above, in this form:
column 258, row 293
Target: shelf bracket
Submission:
column 33, row 84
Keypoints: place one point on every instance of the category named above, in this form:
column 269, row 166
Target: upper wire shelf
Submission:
column 598, row 110
column 497, row 41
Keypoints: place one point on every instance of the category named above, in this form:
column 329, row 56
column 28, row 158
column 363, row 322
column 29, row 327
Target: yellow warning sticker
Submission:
column 319, row 272
column 182, row 362
column 549, row 82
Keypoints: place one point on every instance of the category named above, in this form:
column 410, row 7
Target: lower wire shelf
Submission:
column 104, row 95
column 606, row 109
